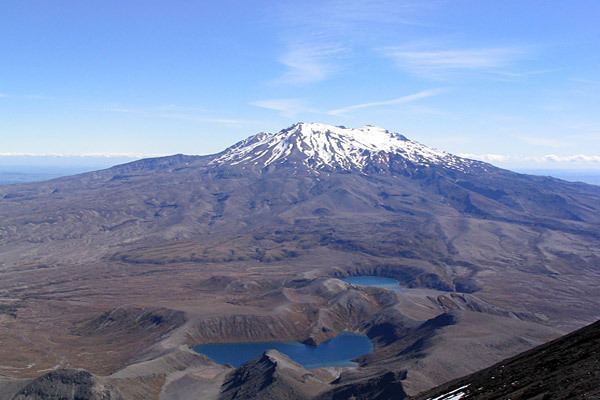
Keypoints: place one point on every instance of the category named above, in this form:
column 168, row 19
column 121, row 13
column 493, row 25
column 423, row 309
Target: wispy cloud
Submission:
column 38, row 97
column 586, row 81
column 319, row 38
column 26, row 96
column 543, row 141
column 335, row 20
column 492, row 158
column 286, row 107
column 83, row 155
column 176, row 112
column 290, row 107
column 439, row 62
column 548, row 158
column 399, row 100
column 575, row 158
column 309, row 63
column 213, row 120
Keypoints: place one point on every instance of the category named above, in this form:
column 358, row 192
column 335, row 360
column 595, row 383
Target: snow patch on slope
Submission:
column 456, row 394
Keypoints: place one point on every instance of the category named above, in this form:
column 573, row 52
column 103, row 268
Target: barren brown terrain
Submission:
column 119, row 271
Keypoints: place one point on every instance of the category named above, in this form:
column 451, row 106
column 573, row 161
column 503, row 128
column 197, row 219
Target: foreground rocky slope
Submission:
column 123, row 266
column 566, row 368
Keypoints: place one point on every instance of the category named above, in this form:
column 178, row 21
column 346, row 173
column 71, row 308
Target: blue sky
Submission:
column 512, row 82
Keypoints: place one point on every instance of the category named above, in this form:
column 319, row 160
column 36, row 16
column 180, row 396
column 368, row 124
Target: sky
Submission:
column 516, row 83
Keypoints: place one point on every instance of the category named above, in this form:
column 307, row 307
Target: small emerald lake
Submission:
column 375, row 281
column 337, row 352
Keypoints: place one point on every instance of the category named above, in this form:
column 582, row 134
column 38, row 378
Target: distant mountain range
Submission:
column 318, row 145
column 25, row 175
column 591, row 176
column 20, row 174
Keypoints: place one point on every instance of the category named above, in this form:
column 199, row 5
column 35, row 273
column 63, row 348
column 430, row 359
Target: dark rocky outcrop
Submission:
column 384, row 386
column 272, row 377
column 67, row 384
column 463, row 301
column 128, row 319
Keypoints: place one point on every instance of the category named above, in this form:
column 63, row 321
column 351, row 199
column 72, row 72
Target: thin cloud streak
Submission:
column 26, row 96
column 316, row 38
column 309, row 63
column 181, row 113
column 335, row 20
column 286, row 107
column 542, row 141
column 492, row 158
column 400, row 100
column 585, row 81
column 82, row 155
column 438, row 62
column 548, row 158
column 575, row 158
column 214, row 120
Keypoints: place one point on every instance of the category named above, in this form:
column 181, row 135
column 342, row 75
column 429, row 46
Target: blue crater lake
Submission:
column 337, row 352
column 376, row 281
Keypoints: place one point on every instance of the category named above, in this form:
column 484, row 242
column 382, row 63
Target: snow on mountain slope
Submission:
column 322, row 146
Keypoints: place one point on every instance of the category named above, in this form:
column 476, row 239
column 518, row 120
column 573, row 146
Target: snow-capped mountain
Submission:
column 326, row 147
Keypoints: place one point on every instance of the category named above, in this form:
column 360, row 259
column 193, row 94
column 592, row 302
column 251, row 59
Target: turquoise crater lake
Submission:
column 375, row 281
column 337, row 352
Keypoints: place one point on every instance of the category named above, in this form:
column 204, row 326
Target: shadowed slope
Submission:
column 566, row 368
column 273, row 376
